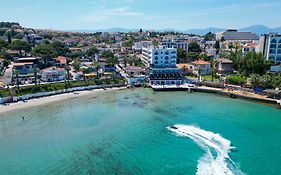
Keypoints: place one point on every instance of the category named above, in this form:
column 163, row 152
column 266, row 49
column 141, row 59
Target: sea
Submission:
column 139, row 131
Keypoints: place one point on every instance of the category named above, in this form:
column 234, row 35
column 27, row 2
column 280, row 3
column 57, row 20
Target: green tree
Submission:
column 92, row 51
column 155, row 43
column 20, row 46
column 46, row 51
column 217, row 46
column 110, row 58
column 3, row 44
column 194, row 47
column 203, row 56
column 192, row 56
column 181, row 55
column 35, row 72
column 67, row 69
column 254, row 63
column 209, row 36
column 96, row 64
column 76, row 65
column 60, row 48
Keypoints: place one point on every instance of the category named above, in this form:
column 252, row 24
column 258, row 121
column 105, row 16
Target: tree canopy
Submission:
column 182, row 55
column 20, row 46
column 194, row 47
column 92, row 51
column 209, row 36
column 110, row 58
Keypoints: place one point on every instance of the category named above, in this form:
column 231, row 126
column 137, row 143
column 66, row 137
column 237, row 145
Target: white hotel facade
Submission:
column 159, row 57
column 270, row 47
column 175, row 43
column 162, row 65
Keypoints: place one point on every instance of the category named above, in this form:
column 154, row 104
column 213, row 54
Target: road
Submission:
column 7, row 77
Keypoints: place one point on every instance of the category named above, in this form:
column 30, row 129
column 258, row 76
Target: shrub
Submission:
column 236, row 80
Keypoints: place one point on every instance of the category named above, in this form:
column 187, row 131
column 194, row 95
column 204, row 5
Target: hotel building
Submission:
column 162, row 65
column 270, row 47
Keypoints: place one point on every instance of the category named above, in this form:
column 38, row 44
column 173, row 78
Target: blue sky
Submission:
column 148, row 14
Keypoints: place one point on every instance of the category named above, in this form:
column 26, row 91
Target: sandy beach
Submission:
column 51, row 99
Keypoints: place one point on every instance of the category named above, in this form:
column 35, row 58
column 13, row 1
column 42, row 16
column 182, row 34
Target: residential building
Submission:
column 185, row 68
column 137, row 48
column 201, row 67
column 162, row 66
column 33, row 39
column 159, row 57
column 175, row 43
column 236, row 37
column 23, row 71
column 136, row 75
column 250, row 47
column 133, row 71
column 61, row 61
column 23, row 68
column 53, row 73
column 270, row 47
column 225, row 66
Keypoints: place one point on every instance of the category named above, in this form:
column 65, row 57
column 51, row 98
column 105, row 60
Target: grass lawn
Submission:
column 209, row 78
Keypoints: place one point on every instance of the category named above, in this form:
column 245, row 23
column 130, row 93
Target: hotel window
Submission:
column 274, row 41
column 272, row 51
column 272, row 45
column 279, row 41
column 278, row 58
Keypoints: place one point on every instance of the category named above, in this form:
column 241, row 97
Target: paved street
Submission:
column 7, row 77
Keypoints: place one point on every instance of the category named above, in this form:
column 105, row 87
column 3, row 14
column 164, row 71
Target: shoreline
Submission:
column 237, row 94
column 54, row 98
column 76, row 94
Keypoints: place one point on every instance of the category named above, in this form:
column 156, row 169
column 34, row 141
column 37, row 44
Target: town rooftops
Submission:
column 235, row 35
column 52, row 68
column 133, row 68
column 225, row 61
column 182, row 66
column 61, row 59
column 200, row 62
column 22, row 64
column 251, row 45
column 27, row 59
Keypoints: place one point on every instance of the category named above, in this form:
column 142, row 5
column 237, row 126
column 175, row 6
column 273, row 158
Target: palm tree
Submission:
column 83, row 74
column 213, row 69
column 96, row 64
column 35, row 71
column 67, row 68
column 17, row 79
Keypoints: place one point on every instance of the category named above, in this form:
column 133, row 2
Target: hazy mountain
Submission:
column 261, row 29
column 204, row 31
column 258, row 29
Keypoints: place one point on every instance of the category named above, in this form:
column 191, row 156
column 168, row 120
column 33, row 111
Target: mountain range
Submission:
column 258, row 29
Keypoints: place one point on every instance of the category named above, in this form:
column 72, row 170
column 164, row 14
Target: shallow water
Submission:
column 125, row 132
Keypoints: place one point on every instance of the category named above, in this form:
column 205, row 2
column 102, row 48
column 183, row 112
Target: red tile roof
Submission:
column 61, row 59
column 200, row 62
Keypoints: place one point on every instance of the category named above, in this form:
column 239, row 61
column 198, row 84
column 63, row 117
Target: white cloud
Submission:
column 102, row 15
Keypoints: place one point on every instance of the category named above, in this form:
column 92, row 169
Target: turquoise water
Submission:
column 125, row 132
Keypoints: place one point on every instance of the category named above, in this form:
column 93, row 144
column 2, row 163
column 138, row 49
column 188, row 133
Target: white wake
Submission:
column 216, row 160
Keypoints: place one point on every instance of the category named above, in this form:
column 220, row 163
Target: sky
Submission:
column 135, row 14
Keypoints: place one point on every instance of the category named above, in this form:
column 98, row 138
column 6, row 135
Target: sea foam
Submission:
column 216, row 160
